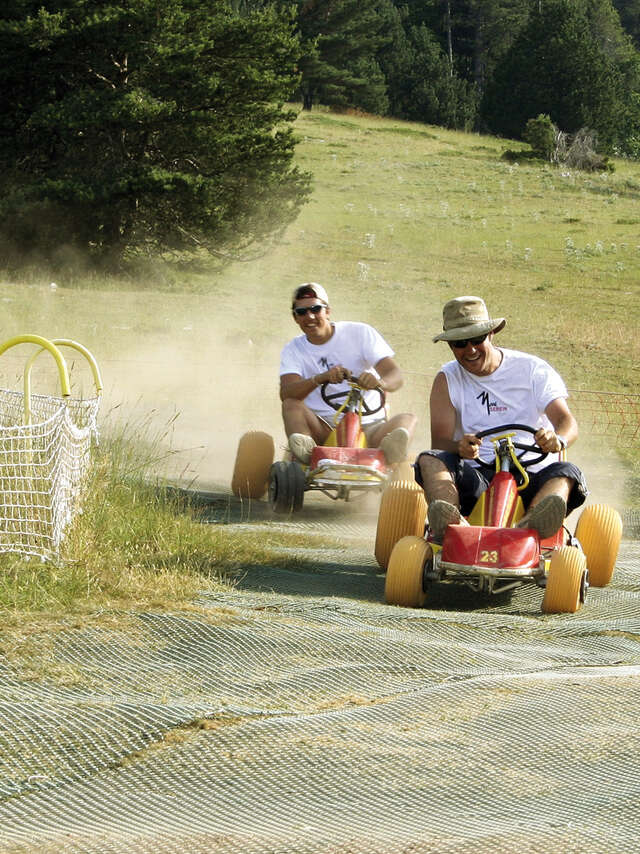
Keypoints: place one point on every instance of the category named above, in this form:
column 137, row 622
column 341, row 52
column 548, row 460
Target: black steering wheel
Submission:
column 524, row 449
column 337, row 399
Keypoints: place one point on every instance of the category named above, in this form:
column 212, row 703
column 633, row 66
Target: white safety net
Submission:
column 301, row 714
column 42, row 468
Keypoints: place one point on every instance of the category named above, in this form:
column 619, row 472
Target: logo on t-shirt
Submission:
column 492, row 405
column 325, row 363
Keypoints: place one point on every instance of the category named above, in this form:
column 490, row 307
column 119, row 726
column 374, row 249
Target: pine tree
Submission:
column 422, row 86
column 341, row 40
column 556, row 67
column 156, row 124
column 629, row 11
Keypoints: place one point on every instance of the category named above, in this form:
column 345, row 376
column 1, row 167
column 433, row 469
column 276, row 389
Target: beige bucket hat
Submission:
column 467, row 317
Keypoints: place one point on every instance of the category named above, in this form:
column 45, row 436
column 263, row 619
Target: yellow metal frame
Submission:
column 332, row 438
column 516, row 461
column 476, row 517
column 63, row 373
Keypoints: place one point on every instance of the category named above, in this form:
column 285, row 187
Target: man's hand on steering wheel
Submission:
column 537, row 450
column 469, row 447
column 369, row 381
column 548, row 441
column 337, row 399
column 333, row 375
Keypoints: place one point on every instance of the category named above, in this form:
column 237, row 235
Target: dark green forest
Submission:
column 482, row 65
column 167, row 125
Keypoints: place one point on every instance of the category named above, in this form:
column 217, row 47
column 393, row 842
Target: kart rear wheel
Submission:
column 599, row 531
column 403, row 512
column 566, row 581
column 286, row 487
column 404, row 584
column 253, row 461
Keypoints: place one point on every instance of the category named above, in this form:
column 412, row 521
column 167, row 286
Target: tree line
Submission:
column 166, row 125
column 485, row 65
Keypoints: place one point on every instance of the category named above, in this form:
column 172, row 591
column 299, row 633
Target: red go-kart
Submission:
column 344, row 464
column 491, row 554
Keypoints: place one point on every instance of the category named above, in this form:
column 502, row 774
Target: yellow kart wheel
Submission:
column 404, row 584
column 599, row 531
column 403, row 511
column 253, row 462
column 566, row 581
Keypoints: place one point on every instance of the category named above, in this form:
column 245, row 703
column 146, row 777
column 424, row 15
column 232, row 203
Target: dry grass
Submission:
column 136, row 546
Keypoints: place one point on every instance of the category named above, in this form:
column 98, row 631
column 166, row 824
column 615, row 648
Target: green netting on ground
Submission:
column 300, row 714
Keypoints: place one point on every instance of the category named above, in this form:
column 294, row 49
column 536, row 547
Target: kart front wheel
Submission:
column 253, row 461
column 404, row 584
column 599, row 531
column 286, row 487
column 566, row 581
column 403, row 512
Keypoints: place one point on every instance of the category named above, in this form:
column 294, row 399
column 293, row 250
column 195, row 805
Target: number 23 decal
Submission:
column 488, row 556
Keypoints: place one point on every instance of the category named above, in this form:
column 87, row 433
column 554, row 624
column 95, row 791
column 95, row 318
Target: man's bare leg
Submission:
column 298, row 418
column 443, row 501
column 554, row 486
column 393, row 437
column 303, row 428
column 437, row 481
column 404, row 419
column 548, row 507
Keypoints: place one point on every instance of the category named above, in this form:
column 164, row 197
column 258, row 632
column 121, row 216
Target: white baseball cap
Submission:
column 309, row 289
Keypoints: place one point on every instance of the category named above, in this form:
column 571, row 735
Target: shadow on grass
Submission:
column 347, row 571
column 362, row 583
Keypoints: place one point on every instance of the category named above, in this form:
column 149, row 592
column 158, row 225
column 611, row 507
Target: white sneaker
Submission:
column 394, row 445
column 546, row 516
column 440, row 514
column 301, row 447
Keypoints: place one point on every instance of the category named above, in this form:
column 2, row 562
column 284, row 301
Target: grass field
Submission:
column 402, row 218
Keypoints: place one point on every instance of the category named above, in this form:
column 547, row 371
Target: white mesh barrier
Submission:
column 42, row 467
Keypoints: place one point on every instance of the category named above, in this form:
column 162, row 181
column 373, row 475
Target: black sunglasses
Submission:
column 314, row 309
column 462, row 343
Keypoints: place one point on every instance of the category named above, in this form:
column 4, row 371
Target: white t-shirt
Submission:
column 517, row 392
column 356, row 346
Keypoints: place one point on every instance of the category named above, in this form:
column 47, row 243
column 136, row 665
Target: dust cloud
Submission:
column 603, row 470
column 190, row 373
column 186, row 373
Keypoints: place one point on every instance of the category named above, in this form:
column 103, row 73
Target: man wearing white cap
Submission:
column 485, row 386
column 330, row 352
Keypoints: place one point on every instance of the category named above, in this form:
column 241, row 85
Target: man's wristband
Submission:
column 314, row 380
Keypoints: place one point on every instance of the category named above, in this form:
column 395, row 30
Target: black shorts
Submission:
column 471, row 480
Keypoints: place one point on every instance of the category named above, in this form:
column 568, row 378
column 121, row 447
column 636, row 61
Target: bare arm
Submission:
column 443, row 423
column 390, row 378
column 293, row 385
column 564, row 426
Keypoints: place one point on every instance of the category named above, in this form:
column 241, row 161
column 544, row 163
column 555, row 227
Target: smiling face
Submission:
column 316, row 326
column 479, row 359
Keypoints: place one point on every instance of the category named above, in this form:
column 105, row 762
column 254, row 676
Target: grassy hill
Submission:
column 402, row 218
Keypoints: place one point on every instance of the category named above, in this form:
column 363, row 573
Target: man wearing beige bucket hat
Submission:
column 330, row 352
column 485, row 386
